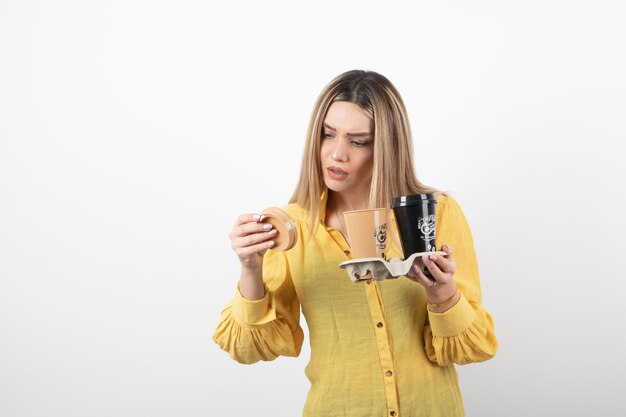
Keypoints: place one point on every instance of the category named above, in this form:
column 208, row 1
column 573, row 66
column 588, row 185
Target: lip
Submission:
column 336, row 173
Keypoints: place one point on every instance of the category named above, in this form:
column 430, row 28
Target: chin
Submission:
column 333, row 186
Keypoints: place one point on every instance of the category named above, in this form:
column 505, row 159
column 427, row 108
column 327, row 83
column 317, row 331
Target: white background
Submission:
column 132, row 133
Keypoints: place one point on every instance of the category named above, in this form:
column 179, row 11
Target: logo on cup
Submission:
column 427, row 227
column 380, row 233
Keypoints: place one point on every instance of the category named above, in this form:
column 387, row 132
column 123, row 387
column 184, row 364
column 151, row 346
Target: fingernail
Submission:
column 256, row 217
column 433, row 257
column 273, row 232
column 270, row 243
column 267, row 226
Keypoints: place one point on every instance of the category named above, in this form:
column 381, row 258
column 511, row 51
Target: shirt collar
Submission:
column 322, row 206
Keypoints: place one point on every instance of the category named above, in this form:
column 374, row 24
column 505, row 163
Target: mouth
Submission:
column 336, row 173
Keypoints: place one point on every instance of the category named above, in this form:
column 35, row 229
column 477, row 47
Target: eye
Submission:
column 326, row 135
column 359, row 144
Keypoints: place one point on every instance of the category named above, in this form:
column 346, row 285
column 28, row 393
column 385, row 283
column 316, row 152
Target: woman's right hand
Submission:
column 251, row 239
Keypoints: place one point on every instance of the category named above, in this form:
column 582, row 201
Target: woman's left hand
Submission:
column 442, row 286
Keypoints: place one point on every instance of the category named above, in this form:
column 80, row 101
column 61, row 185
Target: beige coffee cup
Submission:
column 367, row 232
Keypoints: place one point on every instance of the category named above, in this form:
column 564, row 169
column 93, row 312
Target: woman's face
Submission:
column 347, row 148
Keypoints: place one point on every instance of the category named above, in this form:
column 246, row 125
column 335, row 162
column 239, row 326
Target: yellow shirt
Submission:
column 376, row 350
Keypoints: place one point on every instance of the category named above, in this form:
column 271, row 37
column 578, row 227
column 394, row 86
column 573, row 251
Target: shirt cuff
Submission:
column 253, row 312
column 454, row 321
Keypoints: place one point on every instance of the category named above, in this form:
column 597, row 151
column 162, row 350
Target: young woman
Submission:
column 378, row 348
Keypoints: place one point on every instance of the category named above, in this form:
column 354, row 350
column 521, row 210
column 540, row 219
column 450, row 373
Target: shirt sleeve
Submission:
column 464, row 333
column 251, row 331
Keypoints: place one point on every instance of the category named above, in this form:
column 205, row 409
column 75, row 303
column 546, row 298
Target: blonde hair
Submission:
column 393, row 173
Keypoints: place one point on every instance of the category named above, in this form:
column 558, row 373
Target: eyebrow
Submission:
column 356, row 135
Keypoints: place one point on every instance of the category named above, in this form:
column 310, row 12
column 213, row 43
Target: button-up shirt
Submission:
column 376, row 349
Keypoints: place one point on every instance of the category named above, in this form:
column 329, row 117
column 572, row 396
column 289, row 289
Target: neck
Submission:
column 344, row 202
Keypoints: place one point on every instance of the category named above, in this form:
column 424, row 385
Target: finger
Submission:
column 417, row 275
column 434, row 269
column 446, row 265
column 247, row 218
column 259, row 248
column 447, row 249
column 253, row 239
column 251, row 228
column 412, row 275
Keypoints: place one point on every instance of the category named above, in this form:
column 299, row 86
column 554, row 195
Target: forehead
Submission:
column 347, row 116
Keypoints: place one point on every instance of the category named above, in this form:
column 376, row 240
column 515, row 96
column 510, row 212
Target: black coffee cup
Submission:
column 415, row 218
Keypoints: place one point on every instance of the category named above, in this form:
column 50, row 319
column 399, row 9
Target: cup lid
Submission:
column 409, row 200
column 287, row 236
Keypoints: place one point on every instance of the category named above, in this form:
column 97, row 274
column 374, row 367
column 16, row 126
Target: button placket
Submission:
column 374, row 301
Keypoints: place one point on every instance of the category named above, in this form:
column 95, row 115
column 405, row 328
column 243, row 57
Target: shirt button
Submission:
column 392, row 414
column 379, row 324
column 347, row 252
column 388, row 373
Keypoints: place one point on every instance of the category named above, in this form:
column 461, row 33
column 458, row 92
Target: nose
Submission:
column 339, row 153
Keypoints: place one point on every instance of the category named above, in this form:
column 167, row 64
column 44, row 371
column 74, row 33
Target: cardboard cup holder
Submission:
column 378, row 269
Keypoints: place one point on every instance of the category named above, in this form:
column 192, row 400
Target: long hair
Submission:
column 393, row 173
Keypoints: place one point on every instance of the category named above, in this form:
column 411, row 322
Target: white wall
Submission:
column 133, row 132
